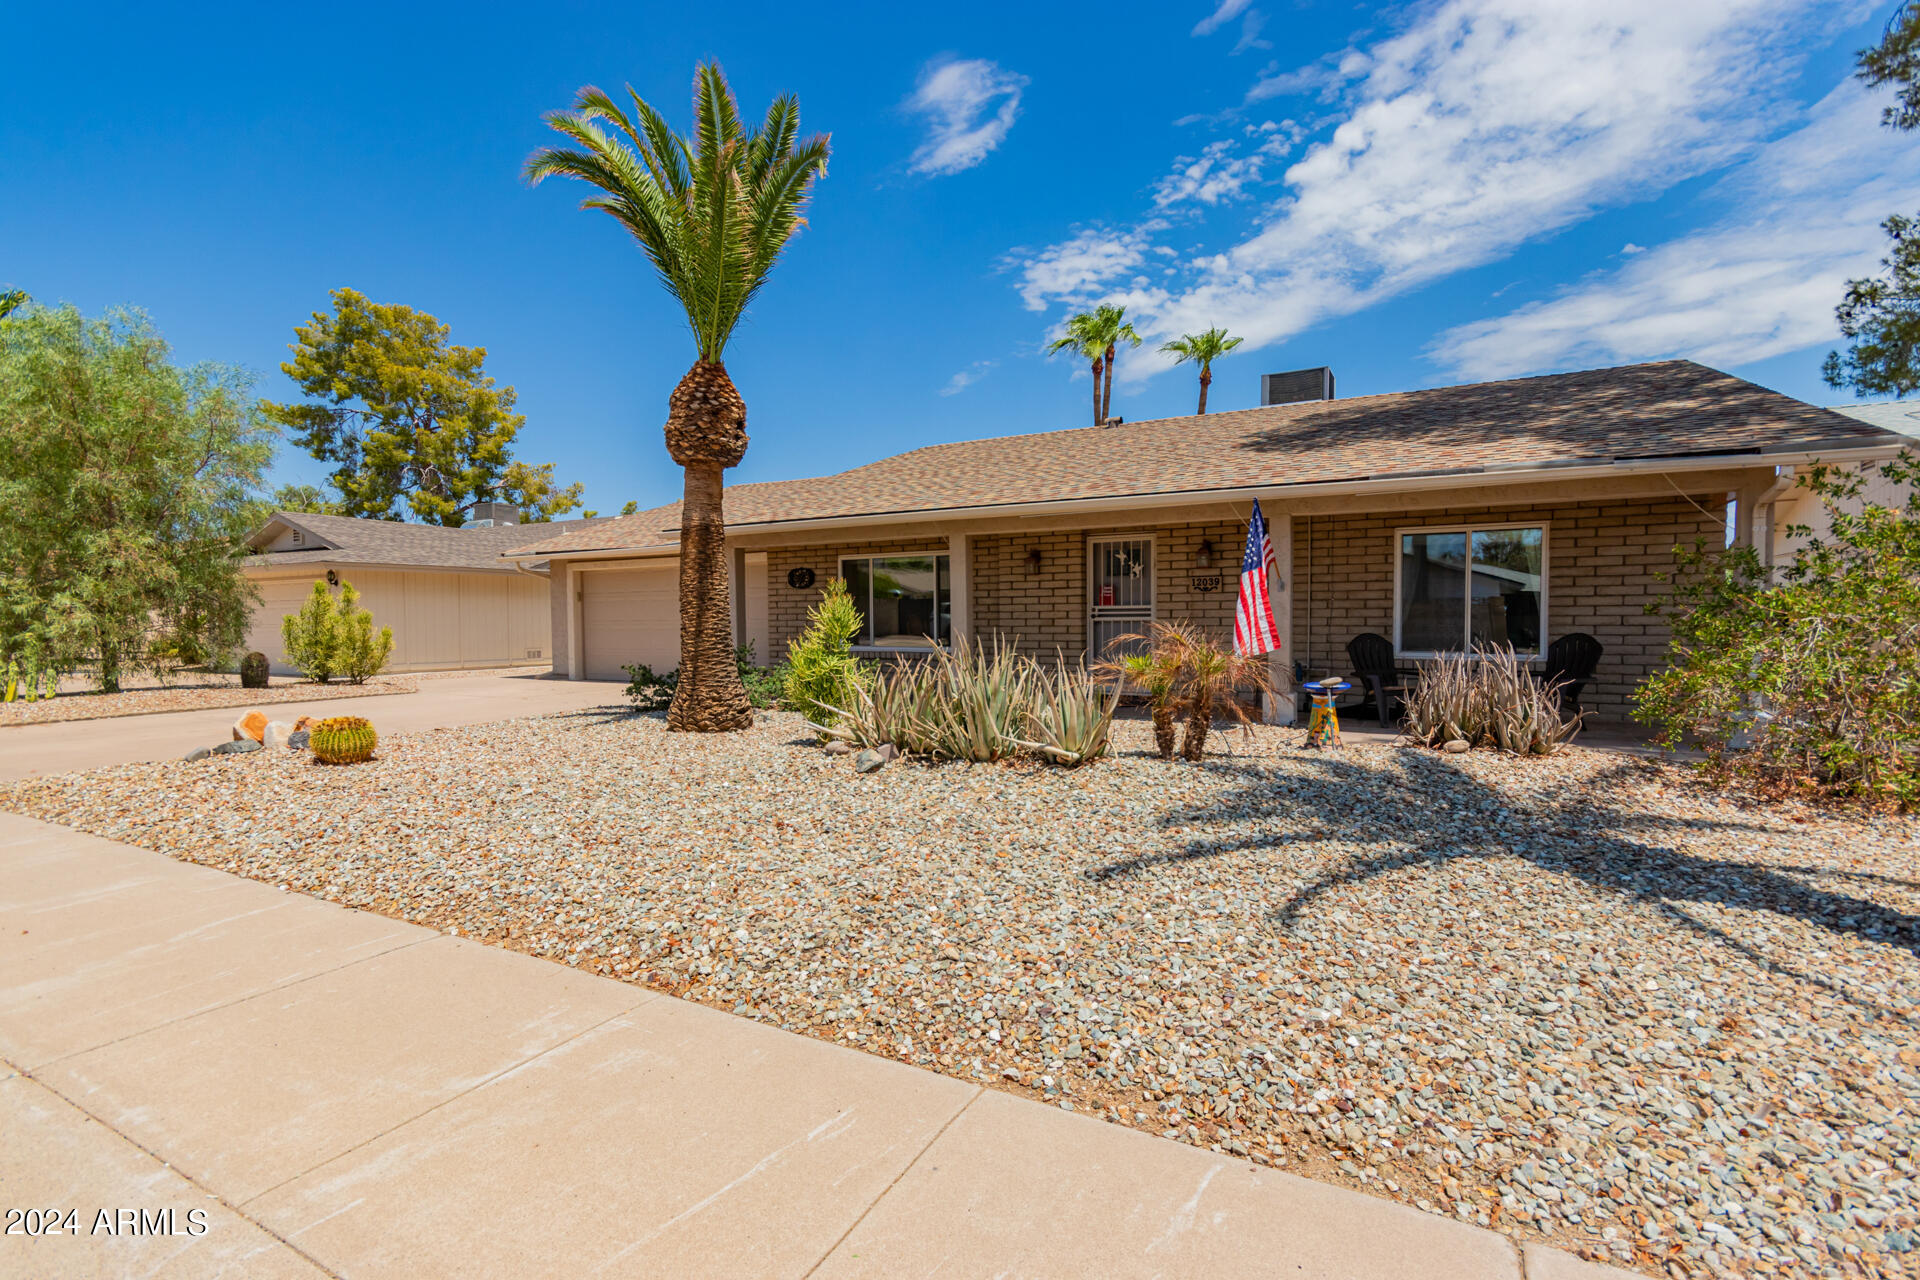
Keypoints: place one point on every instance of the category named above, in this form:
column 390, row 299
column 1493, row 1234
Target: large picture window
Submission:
column 1459, row 587
column 904, row 601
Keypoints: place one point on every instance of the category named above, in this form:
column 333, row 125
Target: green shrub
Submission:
column 330, row 637
column 1487, row 698
column 1804, row 680
column 981, row 705
column 821, row 669
column 650, row 692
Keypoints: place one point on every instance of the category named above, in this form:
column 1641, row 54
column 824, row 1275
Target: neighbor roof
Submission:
column 1672, row 409
column 1892, row 415
column 350, row 540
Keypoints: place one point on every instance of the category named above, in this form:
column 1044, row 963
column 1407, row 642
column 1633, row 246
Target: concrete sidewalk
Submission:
column 316, row 1091
column 30, row 750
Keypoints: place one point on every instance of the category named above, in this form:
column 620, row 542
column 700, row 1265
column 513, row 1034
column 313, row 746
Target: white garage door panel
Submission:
column 629, row 615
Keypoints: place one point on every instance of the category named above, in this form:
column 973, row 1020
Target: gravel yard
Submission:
column 1573, row 998
column 218, row 691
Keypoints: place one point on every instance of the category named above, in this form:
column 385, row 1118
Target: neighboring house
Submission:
column 451, row 600
column 1517, row 511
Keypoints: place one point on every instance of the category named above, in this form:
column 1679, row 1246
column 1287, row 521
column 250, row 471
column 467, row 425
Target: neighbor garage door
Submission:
column 629, row 615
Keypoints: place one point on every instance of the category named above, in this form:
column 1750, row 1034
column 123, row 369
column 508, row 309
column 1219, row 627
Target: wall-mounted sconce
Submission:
column 333, row 578
column 1204, row 557
column 1033, row 560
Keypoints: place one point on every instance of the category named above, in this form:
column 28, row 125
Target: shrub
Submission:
column 330, row 637
column 1803, row 680
column 363, row 652
column 254, row 670
column 821, row 669
column 980, row 705
column 1487, row 698
column 650, row 692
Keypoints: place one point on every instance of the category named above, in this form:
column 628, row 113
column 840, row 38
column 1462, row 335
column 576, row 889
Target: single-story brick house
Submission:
column 1516, row 511
column 450, row 598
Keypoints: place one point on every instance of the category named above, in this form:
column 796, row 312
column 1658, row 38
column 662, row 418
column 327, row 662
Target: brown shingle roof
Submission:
column 1670, row 409
column 349, row 540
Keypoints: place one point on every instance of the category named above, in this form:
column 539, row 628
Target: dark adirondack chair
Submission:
column 1570, row 664
column 1372, row 657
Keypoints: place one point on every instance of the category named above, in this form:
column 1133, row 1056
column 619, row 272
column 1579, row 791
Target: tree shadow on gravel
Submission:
column 610, row 713
column 1400, row 808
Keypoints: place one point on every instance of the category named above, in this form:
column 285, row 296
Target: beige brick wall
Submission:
column 1045, row 611
column 1601, row 562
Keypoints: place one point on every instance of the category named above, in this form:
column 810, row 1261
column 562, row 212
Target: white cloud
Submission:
column 1082, row 267
column 1760, row 283
column 1480, row 126
column 1250, row 28
column 1223, row 170
column 967, row 377
column 1227, row 11
column 970, row 104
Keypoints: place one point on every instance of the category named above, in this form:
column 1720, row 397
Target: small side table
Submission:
column 1323, row 726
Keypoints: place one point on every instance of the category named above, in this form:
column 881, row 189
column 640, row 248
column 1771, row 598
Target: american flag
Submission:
column 1253, row 629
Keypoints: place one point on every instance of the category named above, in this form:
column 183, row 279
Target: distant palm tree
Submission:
column 1083, row 341
column 1111, row 323
column 1203, row 348
column 712, row 214
column 12, row 300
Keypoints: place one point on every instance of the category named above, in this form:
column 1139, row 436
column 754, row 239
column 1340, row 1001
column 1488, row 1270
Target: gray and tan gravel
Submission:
column 1577, row 999
column 196, row 696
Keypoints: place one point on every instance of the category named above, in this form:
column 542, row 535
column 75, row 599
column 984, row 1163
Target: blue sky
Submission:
column 1414, row 194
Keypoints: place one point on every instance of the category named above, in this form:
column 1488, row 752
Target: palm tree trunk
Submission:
column 1206, row 380
column 1163, row 729
column 1098, row 365
column 706, row 434
column 1106, row 404
column 1199, row 720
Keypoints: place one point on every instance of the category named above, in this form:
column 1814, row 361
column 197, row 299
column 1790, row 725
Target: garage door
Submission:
column 629, row 615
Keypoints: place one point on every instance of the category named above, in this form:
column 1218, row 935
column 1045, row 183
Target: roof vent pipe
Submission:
column 1296, row 386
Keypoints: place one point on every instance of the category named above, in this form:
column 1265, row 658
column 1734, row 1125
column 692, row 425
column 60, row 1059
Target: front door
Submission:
column 1122, row 592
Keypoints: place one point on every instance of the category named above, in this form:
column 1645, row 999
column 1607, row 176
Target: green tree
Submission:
column 411, row 423
column 11, row 300
column 129, row 487
column 631, row 508
column 1807, row 678
column 1880, row 316
column 1089, row 346
column 1203, row 349
column 712, row 214
column 303, row 497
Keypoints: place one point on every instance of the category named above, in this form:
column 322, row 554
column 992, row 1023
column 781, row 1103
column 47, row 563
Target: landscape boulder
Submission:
column 838, row 747
column 252, row 725
column 238, row 747
column 1454, row 746
column 868, row 761
column 276, row 734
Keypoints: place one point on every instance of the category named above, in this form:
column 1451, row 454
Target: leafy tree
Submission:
column 1081, row 339
column 128, row 486
column 631, row 508
column 712, row 214
column 11, row 300
column 1880, row 316
column 412, row 423
column 1809, row 683
column 1203, row 349
column 1097, row 335
column 303, row 497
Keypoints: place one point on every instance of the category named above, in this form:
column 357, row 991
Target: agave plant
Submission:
column 1487, row 698
column 1071, row 719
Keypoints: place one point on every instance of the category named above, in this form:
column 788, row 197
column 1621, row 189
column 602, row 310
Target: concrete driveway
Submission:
column 32, row 749
column 203, row 1076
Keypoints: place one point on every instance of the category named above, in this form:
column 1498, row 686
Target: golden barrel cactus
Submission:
column 342, row 740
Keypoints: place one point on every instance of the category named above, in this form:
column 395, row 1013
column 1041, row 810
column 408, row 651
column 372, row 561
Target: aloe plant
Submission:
column 1487, row 698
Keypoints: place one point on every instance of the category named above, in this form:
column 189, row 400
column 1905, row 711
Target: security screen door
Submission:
column 1122, row 592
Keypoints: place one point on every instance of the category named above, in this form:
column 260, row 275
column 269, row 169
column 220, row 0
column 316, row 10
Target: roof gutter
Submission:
column 1465, row 477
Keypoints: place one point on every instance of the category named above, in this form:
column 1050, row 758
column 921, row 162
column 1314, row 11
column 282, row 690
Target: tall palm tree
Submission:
column 1203, row 348
column 1083, row 341
column 1111, row 324
column 712, row 213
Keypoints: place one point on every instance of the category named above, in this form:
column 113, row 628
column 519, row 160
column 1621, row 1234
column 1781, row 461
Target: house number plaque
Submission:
column 1206, row 582
column 799, row 579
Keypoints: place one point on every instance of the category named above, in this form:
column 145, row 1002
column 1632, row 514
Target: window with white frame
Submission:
column 905, row 602
column 1462, row 585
